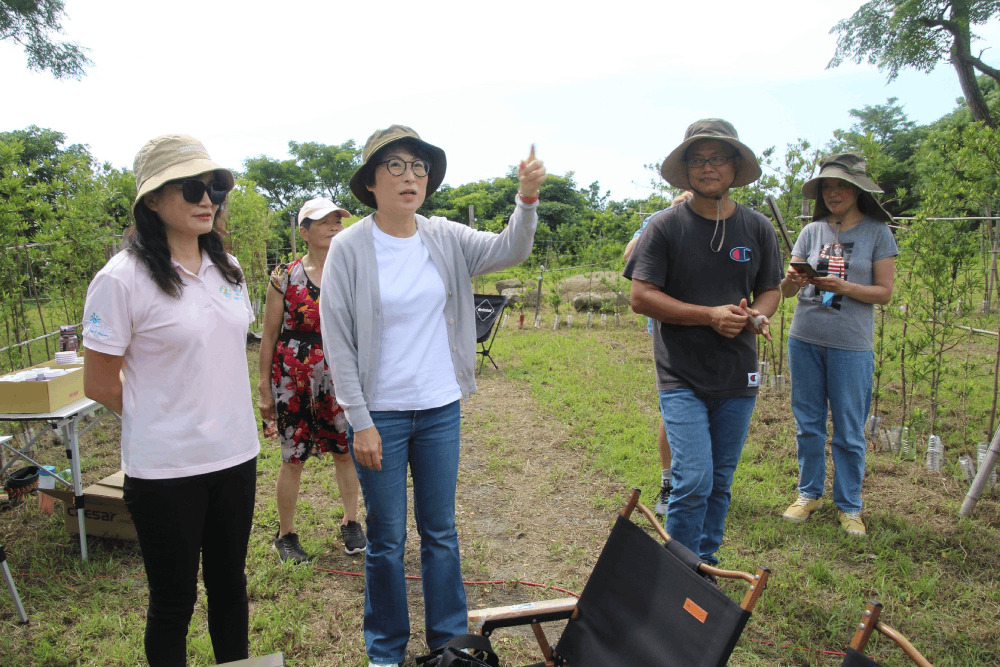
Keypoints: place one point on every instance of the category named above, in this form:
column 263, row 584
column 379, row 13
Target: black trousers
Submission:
column 179, row 522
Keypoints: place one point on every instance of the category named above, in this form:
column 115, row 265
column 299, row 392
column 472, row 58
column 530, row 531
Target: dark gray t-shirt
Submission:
column 673, row 253
column 835, row 320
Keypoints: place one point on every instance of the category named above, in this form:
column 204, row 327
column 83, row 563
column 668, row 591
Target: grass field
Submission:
column 549, row 445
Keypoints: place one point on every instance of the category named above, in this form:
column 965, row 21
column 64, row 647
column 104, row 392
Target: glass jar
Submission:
column 68, row 342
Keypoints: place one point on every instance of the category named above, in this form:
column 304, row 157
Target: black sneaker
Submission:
column 288, row 549
column 663, row 499
column 354, row 538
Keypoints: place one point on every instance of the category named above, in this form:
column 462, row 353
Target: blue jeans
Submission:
column 839, row 381
column 427, row 441
column 706, row 438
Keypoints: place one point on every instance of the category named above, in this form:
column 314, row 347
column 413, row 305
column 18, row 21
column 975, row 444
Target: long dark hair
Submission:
column 147, row 241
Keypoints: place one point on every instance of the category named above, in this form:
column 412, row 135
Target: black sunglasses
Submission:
column 194, row 190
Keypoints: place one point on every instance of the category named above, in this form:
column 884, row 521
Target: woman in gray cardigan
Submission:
column 398, row 324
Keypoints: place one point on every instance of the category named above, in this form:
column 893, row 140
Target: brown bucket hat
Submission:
column 381, row 139
column 171, row 157
column 848, row 167
column 674, row 170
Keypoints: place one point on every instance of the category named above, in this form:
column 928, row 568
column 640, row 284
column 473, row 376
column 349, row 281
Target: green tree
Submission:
column 76, row 233
column 16, row 196
column 889, row 140
column 896, row 34
column 957, row 165
column 42, row 149
column 249, row 220
column 941, row 254
column 753, row 196
column 798, row 165
column 33, row 24
column 314, row 170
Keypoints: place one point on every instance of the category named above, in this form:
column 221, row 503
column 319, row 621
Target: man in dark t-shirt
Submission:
column 708, row 271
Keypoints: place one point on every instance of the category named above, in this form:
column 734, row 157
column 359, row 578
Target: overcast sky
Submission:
column 601, row 89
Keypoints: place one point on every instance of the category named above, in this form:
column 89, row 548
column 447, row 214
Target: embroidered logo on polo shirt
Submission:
column 740, row 254
column 95, row 327
column 231, row 293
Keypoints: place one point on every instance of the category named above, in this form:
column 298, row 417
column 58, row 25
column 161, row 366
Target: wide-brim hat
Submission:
column 848, row 167
column 320, row 207
column 382, row 138
column 171, row 157
column 674, row 169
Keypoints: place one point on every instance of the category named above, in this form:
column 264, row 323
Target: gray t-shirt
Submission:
column 673, row 253
column 835, row 320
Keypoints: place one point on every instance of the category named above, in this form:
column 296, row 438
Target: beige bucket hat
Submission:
column 848, row 167
column 171, row 157
column 381, row 139
column 674, row 170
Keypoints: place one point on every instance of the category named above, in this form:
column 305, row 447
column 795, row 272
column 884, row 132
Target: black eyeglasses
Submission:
column 194, row 190
column 397, row 167
column 715, row 161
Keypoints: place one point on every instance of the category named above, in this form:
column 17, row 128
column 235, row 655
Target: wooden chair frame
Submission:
column 870, row 623
column 486, row 621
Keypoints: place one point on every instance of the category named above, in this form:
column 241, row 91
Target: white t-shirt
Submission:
column 415, row 370
column 186, row 396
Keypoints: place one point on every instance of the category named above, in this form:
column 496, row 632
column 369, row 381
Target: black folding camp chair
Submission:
column 488, row 308
column 870, row 623
column 646, row 603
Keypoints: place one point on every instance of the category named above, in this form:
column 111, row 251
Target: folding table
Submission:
column 66, row 419
column 18, row 607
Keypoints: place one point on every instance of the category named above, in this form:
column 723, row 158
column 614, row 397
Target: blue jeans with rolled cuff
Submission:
column 426, row 441
column 706, row 438
column 827, row 380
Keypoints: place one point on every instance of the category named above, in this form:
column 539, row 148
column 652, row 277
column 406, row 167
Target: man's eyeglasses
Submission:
column 397, row 167
column 194, row 190
column 715, row 161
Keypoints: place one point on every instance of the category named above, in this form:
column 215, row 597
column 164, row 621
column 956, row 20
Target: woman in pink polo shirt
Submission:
column 165, row 327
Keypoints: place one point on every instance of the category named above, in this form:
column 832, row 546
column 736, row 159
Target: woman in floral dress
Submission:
column 296, row 389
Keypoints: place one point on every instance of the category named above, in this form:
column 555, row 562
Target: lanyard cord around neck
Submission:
column 718, row 217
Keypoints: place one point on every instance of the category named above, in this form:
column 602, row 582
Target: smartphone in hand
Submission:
column 806, row 268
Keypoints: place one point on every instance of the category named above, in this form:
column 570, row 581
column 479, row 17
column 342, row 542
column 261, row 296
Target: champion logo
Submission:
column 740, row 254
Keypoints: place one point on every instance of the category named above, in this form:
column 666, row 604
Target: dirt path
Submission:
column 526, row 509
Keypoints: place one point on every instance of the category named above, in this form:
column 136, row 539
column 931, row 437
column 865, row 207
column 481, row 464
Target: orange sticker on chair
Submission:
column 693, row 609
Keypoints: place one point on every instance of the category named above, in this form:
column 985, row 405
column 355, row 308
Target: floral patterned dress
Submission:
column 309, row 420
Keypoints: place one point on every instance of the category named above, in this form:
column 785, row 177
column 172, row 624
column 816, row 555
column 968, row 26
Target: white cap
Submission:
column 318, row 208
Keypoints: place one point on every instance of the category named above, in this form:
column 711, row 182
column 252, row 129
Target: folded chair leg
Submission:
column 543, row 643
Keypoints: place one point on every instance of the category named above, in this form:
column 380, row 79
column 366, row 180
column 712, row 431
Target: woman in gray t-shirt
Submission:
column 851, row 256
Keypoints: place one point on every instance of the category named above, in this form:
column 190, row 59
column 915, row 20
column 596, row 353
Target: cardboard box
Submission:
column 104, row 509
column 42, row 396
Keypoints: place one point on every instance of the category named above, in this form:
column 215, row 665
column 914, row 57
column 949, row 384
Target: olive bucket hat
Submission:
column 674, row 169
column 171, row 157
column 848, row 167
column 382, row 138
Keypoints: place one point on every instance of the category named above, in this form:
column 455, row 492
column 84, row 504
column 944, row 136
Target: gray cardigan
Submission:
column 350, row 303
